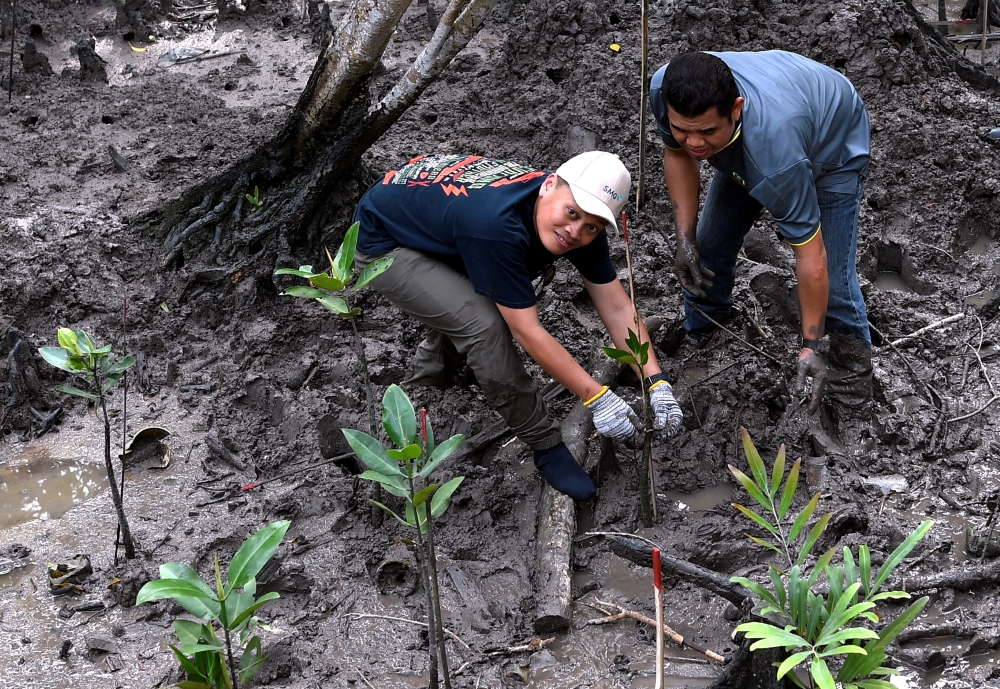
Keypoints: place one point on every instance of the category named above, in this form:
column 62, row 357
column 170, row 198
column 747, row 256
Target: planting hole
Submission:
column 556, row 75
column 108, row 119
column 35, row 32
column 230, row 86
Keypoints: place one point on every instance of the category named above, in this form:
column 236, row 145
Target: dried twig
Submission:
column 986, row 375
column 933, row 326
column 717, row 324
column 532, row 646
column 608, row 608
column 366, row 616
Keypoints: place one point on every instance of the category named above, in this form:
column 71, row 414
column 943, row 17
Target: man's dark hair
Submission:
column 694, row 82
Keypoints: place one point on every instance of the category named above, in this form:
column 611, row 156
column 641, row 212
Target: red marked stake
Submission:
column 658, row 599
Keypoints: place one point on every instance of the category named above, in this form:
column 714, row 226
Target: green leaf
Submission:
column 792, row 662
column 865, row 566
column 188, row 632
column 816, row 612
column 407, row 453
column 777, row 471
column 778, row 584
column 421, row 497
column 821, row 674
column 844, row 650
column 183, row 572
column 85, row 342
column 58, row 357
column 850, row 569
column 344, row 262
column 755, row 492
column 900, row 553
column 821, row 565
column 304, row 292
column 302, row 272
column 770, row 636
column 398, row 417
column 251, row 661
column 849, row 633
column 393, row 484
column 761, row 592
column 757, row 519
column 371, row 453
column 887, row 595
column 336, row 304
column 762, row 542
column 643, row 354
column 183, row 592
column 620, row 355
column 442, row 498
column 327, row 282
column 372, row 271
column 386, row 509
column 122, row 365
column 876, row 684
column 254, row 554
column 70, row 390
column 788, row 494
column 189, row 667
column 253, row 607
column 804, row 515
column 754, row 460
column 441, row 452
column 69, row 341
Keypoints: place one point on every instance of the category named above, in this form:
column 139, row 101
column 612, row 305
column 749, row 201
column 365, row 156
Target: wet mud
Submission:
column 121, row 125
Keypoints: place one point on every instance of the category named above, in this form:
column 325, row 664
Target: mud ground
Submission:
column 539, row 84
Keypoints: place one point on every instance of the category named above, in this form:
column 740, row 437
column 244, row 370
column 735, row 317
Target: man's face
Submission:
column 562, row 225
column 706, row 134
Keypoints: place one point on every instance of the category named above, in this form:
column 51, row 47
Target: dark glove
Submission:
column 811, row 365
column 688, row 269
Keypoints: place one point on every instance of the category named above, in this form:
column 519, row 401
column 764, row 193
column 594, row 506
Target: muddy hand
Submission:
column 667, row 415
column 811, row 365
column 693, row 276
column 612, row 417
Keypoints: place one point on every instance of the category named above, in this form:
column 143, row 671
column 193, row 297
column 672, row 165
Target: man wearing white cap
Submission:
column 467, row 235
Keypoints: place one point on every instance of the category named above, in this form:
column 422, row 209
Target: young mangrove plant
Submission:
column 815, row 628
column 330, row 289
column 405, row 471
column 208, row 661
column 638, row 356
column 99, row 370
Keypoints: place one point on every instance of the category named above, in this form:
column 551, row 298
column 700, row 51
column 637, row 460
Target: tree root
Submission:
column 957, row 579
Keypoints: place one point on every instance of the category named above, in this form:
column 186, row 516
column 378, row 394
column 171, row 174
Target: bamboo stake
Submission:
column 13, row 27
column 648, row 510
column 982, row 46
column 658, row 600
column 640, row 190
column 121, row 490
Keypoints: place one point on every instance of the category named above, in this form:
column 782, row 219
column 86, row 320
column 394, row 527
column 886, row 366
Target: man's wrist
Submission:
column 820, row 345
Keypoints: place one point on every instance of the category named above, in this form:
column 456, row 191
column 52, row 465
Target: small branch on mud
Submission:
column 531, row 647
column 608, row 608
column 717, row 324
column 978, row 411
column 943, row 629
column 986, row 375
column 223, row 453
column 418, row 623
column 933, row 326
column 957, row 579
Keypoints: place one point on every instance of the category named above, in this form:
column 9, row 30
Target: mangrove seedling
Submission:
column 815, row 627
column 99, row 370
column 330, row 289
column 638, row 356
column 209, row 662
column 405, row 472
column 255, row 198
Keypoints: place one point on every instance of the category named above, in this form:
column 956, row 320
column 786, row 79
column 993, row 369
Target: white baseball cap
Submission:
column 600, row 183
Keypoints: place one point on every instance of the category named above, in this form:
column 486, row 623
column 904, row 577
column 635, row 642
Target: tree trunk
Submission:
column 324, row 137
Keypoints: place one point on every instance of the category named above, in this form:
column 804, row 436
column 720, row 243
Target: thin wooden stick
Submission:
column 717, row 324
column 640, row 190
column 986, row 29
column 933, row 326
column 366, row 616
column 639, row 617
column 13, row 30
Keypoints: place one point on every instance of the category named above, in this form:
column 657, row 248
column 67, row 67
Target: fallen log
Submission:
column 957, row 579
column 640, row 552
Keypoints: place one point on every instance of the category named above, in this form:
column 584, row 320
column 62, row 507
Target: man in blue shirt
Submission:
column 792, row 136
column 467, row 235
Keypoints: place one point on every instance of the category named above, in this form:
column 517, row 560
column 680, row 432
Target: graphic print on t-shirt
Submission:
column 455, row 175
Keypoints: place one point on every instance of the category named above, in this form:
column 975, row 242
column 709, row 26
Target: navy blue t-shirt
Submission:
column 476, row 214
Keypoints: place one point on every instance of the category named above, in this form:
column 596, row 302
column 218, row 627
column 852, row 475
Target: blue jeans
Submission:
column 728, row 215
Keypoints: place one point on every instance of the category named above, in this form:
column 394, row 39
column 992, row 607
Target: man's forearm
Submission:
column 814, row 286
column 683, row 177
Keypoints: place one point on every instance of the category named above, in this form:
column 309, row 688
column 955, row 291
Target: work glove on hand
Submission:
column 693, row 276
column 811, row 365
column 667, row 415
column 612, row 417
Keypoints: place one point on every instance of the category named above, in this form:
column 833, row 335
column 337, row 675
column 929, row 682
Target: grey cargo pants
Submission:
column 445, row 301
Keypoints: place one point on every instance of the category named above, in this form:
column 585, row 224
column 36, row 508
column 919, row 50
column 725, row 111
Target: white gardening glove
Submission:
column 667, row 415
column 612, row 417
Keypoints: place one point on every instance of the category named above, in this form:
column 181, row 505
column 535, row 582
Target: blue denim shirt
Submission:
column 803, row 128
